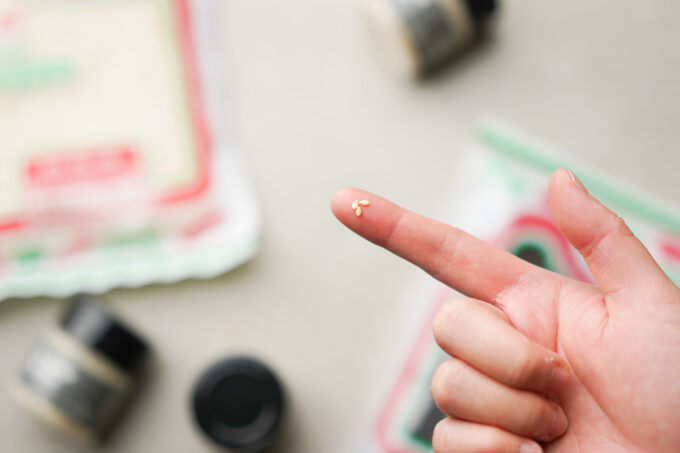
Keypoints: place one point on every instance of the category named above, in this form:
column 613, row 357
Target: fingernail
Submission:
column 559, row 422
column 559, row 378
column 530, row 447
column 577, row 181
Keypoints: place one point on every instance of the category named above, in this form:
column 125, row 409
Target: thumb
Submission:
column 615, row 257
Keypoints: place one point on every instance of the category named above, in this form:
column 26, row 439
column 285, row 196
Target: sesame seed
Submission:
column 355, row 204
column 358, row 211
column 365, row 203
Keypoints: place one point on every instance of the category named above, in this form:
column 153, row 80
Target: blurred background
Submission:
column 314, row 108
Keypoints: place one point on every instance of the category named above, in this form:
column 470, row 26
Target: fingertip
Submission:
column 561, row 175
column 342, row 205
column 374, row 218
column 558, row 424
column 559, row 378
column 564, row 174
column 529, row 446
column 575, row 211
column 562, row 180
column 339, row 199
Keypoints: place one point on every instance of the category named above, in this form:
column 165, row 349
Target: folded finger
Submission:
column 476, row 334
column 458, row 436
column 463, row 392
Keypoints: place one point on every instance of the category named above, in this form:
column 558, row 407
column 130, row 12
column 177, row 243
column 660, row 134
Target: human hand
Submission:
column 530, row 347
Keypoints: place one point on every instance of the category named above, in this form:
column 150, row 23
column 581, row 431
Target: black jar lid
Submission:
column 89, row 323
column 481, row 10
column 239, row 404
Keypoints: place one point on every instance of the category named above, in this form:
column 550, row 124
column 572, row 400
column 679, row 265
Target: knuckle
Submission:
column 448, row 319
column 621, row 228
column 441, row 437
column 439, row 323
column 616, row 227
column 440, row 382
column 444, row 382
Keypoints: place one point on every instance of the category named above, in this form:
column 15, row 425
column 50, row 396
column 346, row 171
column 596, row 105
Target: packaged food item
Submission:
column 117, row 166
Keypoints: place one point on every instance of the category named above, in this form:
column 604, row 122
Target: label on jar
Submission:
column 438, row 28
column 77, row 394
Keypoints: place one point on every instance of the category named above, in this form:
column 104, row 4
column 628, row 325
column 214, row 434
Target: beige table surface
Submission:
column 315, row 110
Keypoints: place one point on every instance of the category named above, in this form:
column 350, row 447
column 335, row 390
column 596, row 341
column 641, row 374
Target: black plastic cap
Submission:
column 481, row 10
column 239, row 404
column 92, row 325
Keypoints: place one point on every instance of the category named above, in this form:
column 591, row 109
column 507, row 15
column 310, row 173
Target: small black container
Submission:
column 80, row 376
column 239, row 404
column 422, row 36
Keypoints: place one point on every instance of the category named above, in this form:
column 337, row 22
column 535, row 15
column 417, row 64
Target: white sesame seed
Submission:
column 355, row 204
column 358, row 211
column 365, row 203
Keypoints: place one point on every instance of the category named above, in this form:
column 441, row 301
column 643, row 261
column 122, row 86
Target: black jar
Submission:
column 421, row 36
column 80, row 376
column 239, row 404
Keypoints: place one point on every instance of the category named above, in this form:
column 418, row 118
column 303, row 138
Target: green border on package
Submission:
column 505, row 141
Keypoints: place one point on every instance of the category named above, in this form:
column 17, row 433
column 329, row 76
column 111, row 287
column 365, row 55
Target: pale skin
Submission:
column 541, row 362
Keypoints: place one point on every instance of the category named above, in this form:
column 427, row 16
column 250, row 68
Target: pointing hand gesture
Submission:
column 541, row 362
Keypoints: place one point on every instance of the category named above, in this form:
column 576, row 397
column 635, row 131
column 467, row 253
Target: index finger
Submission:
column 461, row 261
